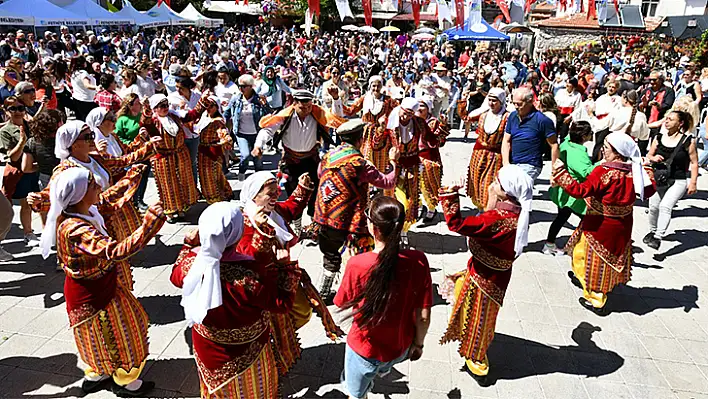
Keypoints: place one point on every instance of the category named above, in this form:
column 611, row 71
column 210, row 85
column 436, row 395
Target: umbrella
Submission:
column 313, row 26
column 390, row 29
column 368, row 29
column 350, row 27
column 425, row 30
column 423, row 36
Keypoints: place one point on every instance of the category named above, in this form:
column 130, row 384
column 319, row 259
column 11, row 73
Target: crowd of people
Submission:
column 359, row 120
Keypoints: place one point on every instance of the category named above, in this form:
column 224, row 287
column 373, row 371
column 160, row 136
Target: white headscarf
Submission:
column 427, row 99
column 94, row 120
column 495, row 92
column 65, row 137
column 206, row 119
column 625, row 146
column 251, row 187
column 517, row 184
column 65, row 190
column 167, row 123
column 372, row 104
column 394, row 121
column 220, row 226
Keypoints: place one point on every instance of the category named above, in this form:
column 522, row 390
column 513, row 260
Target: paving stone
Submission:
column 665, row 349
column 596, row 389
column 561, row 385
column 683, row 376
column 427, row 374
column 644, row 372
column 645, row 392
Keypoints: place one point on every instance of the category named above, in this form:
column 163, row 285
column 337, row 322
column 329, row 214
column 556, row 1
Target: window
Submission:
column 649, row 7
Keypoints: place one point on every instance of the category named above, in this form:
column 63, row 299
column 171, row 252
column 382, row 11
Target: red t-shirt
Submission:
column 412, row 289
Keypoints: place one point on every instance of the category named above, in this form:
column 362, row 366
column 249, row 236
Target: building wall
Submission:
column 672, row 8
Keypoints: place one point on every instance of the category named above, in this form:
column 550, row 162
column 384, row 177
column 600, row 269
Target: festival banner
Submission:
column 366, row 5
column 460, row 13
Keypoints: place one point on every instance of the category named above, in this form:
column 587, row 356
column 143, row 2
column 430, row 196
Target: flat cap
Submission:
column 303, row 95
column 350, row 127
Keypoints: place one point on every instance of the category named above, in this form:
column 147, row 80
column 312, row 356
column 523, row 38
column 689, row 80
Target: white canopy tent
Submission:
column 44, row 13
column 96, row 14
column 192, row 14
column 141, row 19
column 165, row 13
column 9, row 18
column 233, row 8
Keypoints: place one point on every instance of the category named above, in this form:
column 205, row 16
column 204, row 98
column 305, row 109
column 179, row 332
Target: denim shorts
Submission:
column 359, row 372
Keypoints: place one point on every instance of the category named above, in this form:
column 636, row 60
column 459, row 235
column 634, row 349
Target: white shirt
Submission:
column 301, row 135
column 182, row 106
column 225, row 92
column 123, row 93
column 81, row 93
column 146, row 87
column 246, row 125
column 619, row 120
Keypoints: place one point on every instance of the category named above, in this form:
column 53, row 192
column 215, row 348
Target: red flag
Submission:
column 314, row 6
column 245, row 2
column 562, row 5
column 504, row 7
column 366, row 5
column 592, row 10
column 617, row 6
column 416, row 12
column 460, row 13
column 527, row 9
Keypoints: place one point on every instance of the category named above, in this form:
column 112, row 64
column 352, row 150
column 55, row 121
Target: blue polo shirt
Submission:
column 527, row 137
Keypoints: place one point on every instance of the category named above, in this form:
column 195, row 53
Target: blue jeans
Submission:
column 245, row 146
column 531, row 170
column 703, row 155
column 359, row 372
column 193, row 147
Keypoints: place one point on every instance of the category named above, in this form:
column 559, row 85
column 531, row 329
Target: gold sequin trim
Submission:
column 240, row 276
column 489, row 260
column 215, row 379
column 235, row 336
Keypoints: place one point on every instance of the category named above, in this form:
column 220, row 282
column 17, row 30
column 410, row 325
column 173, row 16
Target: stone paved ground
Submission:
column 653, row 345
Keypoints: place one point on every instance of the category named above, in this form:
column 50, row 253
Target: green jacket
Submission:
column 576, row 159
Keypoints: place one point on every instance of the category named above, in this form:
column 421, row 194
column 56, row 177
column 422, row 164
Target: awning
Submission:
column 8, row 18
column 191, row 13
column 485, row 33
column 96, row 14
column 234, row 8
column 43, row 12
column 164, row 12
column 141, row 19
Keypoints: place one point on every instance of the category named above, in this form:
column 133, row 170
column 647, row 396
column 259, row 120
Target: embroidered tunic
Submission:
column 486, row 159
column 214, row 140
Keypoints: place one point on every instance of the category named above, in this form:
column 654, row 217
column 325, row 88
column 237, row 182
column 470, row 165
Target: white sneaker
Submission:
column 31, row 240
column 551, row 249
column 5, row 256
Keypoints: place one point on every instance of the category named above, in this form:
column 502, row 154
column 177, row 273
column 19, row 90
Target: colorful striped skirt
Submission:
column 430, row 182
column 258, row 381
column 175, row 181
column 121, row 225
column 214, row 185
column 483, row 169
column 115, row 340
column 474, row 317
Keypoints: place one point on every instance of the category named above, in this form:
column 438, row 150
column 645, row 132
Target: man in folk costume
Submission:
column 228, row 298
column 601, row 246
column 342, row 199
column 411, row 134
column 496, row 237
column 375, row 107
column 301, row 127
column 110, row 326
column 430, row 159
column 172, row 165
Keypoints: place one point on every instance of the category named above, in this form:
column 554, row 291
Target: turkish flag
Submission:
column 592, row 10
column 416, row 12
column 366, row 5
column 314, row 6
column 504, row 7
column 527, row 9
column 460, row 13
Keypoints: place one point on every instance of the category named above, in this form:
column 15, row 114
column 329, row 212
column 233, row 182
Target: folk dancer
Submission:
column 410, row 133
column 172, row 166
column 214, row 142
column 601, row 246
column 301, row 127
column 229, row 299
column 270, row 243
column 375, row 107
column 495, row 237
column 486, row 159
column 431, row 162
column 110, row 326
column 343, row 197
column 73, row 146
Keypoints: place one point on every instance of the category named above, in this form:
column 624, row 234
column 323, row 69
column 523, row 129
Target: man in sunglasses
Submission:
column 656, row 99
column 301, row 127
column 27, row 96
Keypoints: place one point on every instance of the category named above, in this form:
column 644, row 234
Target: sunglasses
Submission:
column 243, row 86
column 163, row 105
column 29, row 91
column 87, row 137
column 304, row 101
column 17, row 108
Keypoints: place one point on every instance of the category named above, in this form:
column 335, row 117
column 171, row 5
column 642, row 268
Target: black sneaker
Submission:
column 123, row 392
column 481, row 380
column 94, row 386
column 654, row 243
column 602, row 312
column 647, row 238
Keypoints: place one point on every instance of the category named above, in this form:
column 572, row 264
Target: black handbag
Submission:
column 662, row 170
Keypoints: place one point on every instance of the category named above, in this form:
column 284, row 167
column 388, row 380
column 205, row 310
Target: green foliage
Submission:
column 701, row 56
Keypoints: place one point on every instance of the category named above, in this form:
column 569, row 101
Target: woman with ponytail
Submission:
column 629, row 121
column 390, row 292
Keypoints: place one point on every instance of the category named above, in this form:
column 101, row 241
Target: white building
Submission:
column 658, row 8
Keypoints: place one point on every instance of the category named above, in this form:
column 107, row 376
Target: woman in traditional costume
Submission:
column 486, row 157
column 229, row 299
column 102, row 123
column 214, row 142
column 495, row 237
column 110, row 326
column 375, row 107
column 601, row 246
column 260, row 190
column 431, row 180
column 172, row 166
column 73, row 146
